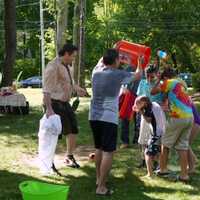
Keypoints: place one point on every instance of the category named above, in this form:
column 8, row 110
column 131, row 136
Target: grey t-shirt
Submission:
column 106, row 84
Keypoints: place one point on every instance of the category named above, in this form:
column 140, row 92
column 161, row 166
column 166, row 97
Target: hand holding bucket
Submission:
column 130, row 52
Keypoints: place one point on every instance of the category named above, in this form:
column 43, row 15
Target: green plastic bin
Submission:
column 34, row 190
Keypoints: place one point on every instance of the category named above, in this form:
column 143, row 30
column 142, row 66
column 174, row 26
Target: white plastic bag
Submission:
column 49, row 130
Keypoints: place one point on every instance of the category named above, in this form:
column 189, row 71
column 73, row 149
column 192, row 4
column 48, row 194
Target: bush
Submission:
column 28, row 66
column 196, row 81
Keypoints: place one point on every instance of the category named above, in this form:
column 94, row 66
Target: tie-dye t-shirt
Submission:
column 179, row 100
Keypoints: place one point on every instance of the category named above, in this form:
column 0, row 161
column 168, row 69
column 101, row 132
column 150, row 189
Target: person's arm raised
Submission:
column 156, row 89
column 139, row 70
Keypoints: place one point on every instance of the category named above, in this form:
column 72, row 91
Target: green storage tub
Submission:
column 35, row 190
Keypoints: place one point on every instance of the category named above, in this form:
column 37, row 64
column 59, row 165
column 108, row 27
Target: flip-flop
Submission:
column 108, row 193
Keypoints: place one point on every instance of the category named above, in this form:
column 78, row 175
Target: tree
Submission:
column 162, row 24
column 62, row 22
column 82, row 43
column 76, row 39
column 2, row 41
column 10, row 41
column 79, row 41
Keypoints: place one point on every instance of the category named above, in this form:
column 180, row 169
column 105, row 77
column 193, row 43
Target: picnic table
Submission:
column 14, row 103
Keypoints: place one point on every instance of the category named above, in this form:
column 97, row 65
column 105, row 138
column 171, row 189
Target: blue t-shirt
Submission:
column 145, row 87
column 106, row 84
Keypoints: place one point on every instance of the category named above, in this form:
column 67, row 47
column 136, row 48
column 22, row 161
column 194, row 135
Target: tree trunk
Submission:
column 62, row 22
column 82, row 43
column 76, row 35
column 10, row 41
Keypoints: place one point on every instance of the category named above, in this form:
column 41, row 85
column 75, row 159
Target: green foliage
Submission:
column 172, row 25
column 28, row 66
column 99, row 33
column 162, row 24
column 196, row 81
column 50, row 44
column 19, row 76
column 17, row 81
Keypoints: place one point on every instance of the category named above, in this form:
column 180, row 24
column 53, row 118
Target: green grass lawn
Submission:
column 18, row 143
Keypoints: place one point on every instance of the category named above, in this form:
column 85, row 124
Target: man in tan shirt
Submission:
column 58, row 88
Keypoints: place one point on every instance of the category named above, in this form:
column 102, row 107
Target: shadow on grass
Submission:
column 26, row 126
column 9, row 184
column 82, row 187
column 21, row 125
column 128, row 187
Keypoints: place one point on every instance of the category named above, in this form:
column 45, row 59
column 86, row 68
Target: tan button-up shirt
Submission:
column 56, row 81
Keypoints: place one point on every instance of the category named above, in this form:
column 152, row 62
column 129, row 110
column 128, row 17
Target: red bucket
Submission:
column 129, row 53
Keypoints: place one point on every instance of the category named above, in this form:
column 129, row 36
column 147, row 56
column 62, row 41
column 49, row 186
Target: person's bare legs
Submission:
column 183, row 154
column 192, row 159
column 195, row 130
column 149, row 165
column 71, row 143
column 142, row 161
column 98, row 159
column 106, row 164
column 164, row 159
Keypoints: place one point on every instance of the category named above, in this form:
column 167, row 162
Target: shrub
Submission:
column 28, row 66
column 196, row 81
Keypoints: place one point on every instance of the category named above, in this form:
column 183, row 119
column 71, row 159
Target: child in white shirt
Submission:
column 154, row 115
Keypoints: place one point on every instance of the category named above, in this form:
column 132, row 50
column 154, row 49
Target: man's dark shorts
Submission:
column 105, row 135
column 68, row 117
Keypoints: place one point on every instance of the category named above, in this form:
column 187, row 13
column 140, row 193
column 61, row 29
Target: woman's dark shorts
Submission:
column 68, row 117
column 105, row 135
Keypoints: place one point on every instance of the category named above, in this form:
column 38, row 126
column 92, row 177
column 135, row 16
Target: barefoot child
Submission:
column 144, row 88
column 155, row 117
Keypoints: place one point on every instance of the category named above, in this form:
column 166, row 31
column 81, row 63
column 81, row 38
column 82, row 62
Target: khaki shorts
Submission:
column 177, row 133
